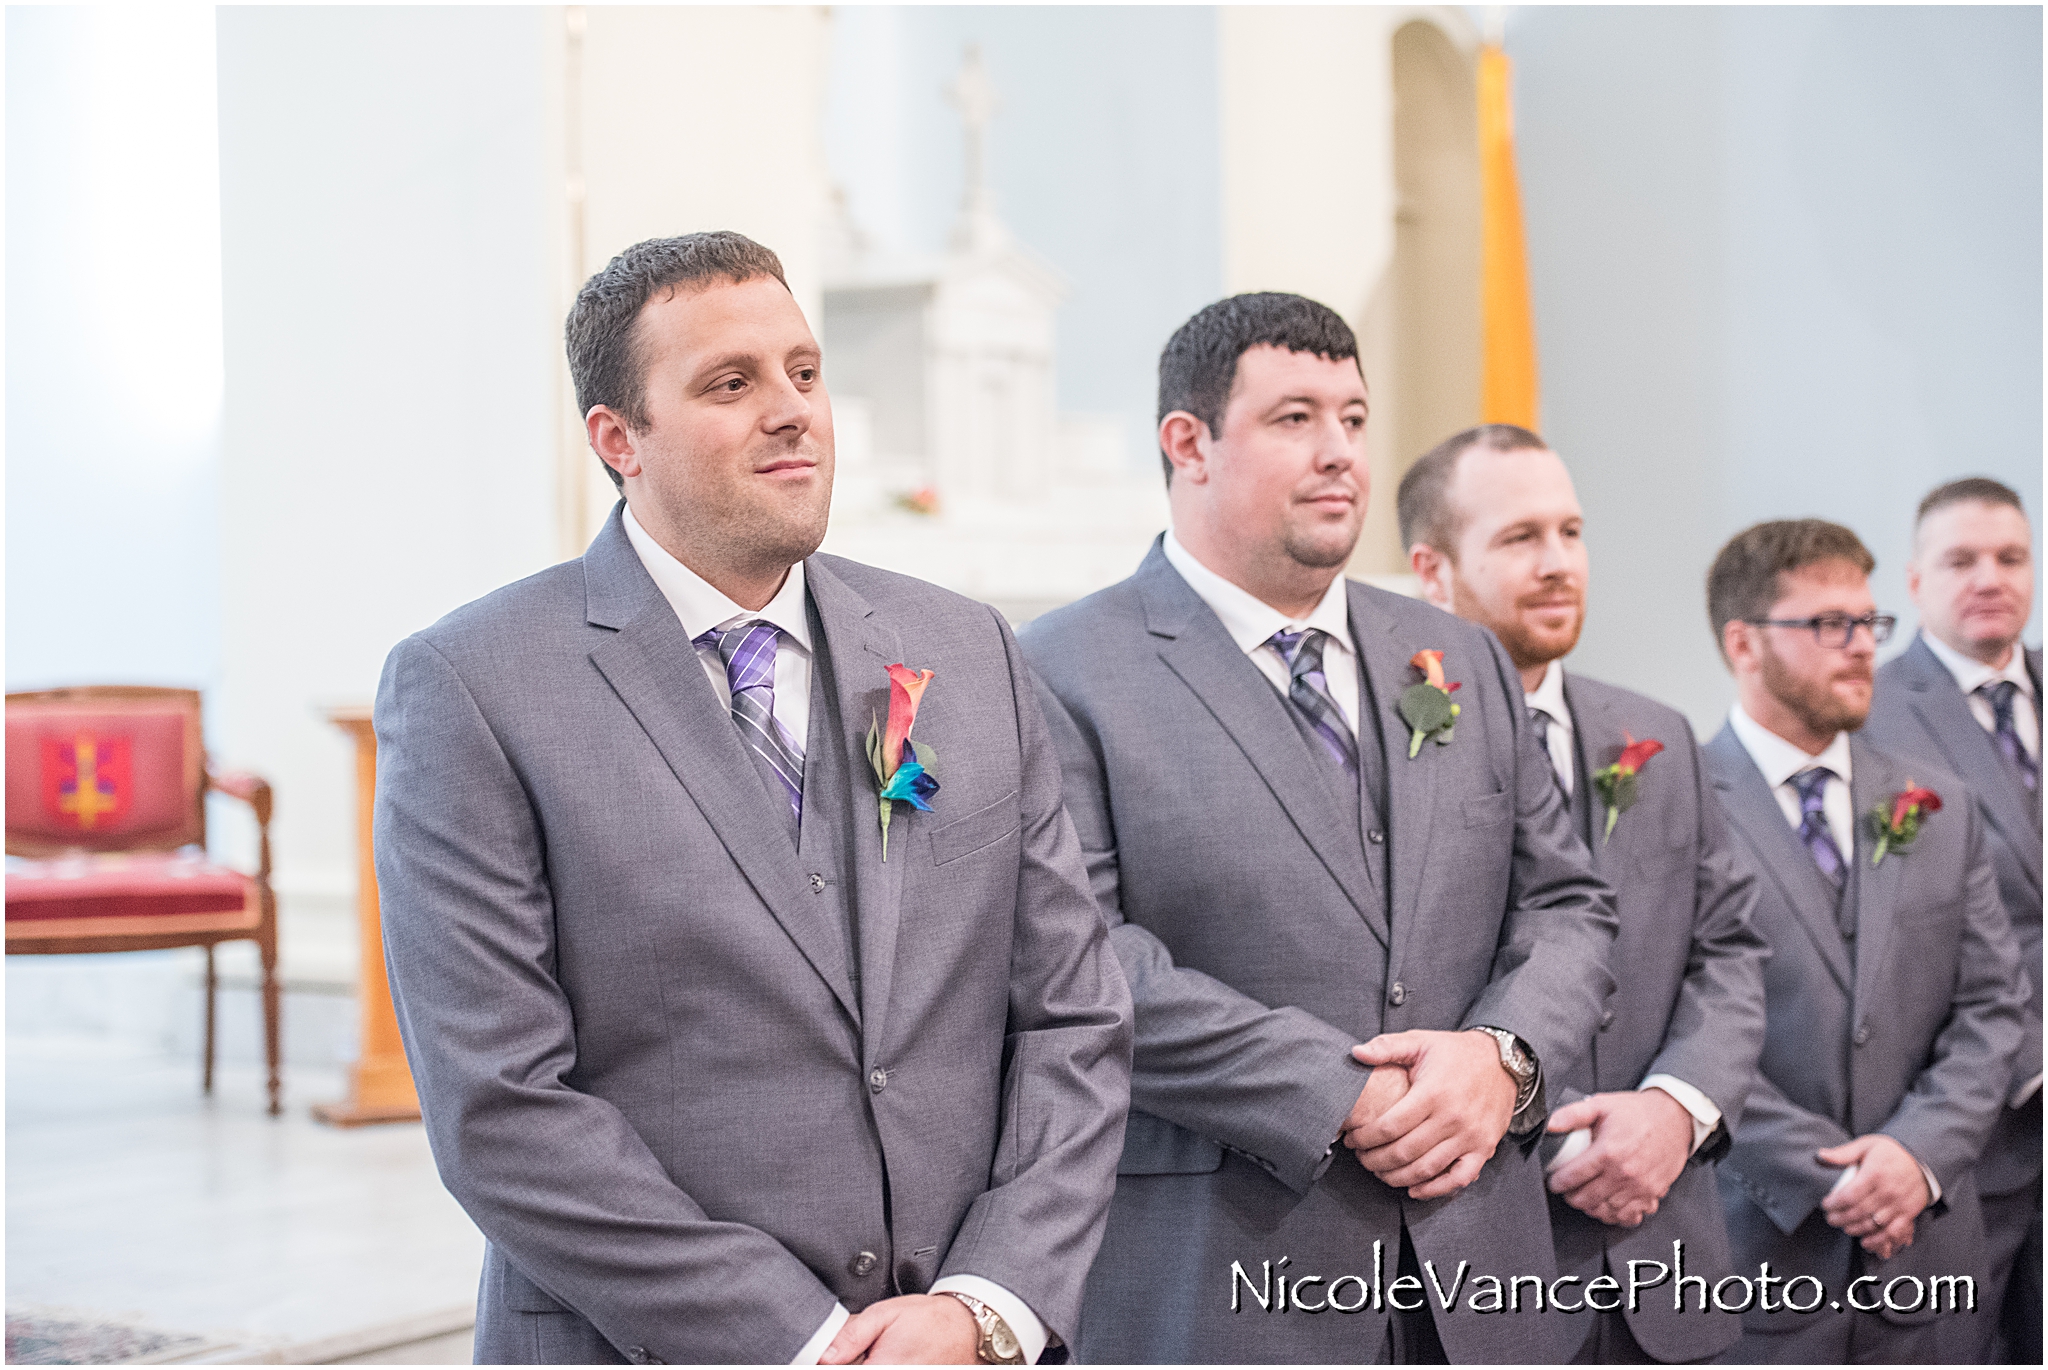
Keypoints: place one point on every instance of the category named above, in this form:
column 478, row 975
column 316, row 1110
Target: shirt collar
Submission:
column 1972, row 675
column 1251, row 621
column 1549, row 695
column 1780, row 760
column 701, row 606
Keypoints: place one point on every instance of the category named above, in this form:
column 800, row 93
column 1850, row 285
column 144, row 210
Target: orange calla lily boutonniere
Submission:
column 1896, row 826
column 902, row 767
column 1426, row 705
column 1617, row 782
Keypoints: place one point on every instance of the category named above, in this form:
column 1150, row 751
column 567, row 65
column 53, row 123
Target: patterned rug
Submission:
column 43, row 1339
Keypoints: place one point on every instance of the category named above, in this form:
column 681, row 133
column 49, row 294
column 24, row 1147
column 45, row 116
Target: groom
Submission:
column 717, row 1081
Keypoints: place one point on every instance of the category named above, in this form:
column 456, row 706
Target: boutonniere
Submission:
column 1426, row 705
column 1896, row 826
column 903, row 768
column 1617, row 783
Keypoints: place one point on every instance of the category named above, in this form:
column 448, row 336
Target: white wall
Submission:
column 391, row 335
column 1786, row 262
column 113, row 348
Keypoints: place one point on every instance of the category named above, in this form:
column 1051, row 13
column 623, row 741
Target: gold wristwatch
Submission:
column 998, row 1344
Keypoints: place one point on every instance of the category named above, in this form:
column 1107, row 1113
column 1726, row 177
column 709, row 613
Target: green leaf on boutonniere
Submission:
column 1426, row 705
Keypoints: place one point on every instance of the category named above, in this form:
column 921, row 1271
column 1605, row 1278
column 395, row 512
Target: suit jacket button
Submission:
column 817, row 883
column 863, row 1264
column 1375, row 836
column 1607, row 1020
column 1398, row 995
column 1862, row 1034
column 878, row 1079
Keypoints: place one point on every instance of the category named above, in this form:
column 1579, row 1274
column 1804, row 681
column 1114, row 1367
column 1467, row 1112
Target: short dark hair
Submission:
column 1981, row 489
column 1744, row 583
column 1199, row 364
column 603, row 332
column 1423, row 504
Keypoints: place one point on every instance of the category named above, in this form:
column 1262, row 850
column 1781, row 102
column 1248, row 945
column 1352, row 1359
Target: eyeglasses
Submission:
column 1836, row 630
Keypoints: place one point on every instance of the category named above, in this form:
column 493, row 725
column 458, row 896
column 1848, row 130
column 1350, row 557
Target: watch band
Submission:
column 996, row 1344
column 1519, row 1062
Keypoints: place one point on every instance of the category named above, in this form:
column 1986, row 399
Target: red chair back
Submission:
column 104, row 768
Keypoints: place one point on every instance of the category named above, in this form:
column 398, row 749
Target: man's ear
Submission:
column 1184, row 439
column 1913, row 581
column 1738, row 646
column 1435, row 571
column 612, row 440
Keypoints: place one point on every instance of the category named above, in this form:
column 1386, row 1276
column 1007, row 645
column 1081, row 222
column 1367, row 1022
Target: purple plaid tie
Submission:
column 1309, row 691
column 1813, row 823
column 748, row 650
column 2001, row 694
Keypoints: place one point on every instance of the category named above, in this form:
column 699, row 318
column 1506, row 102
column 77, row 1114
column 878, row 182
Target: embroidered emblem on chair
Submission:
column 86, row 781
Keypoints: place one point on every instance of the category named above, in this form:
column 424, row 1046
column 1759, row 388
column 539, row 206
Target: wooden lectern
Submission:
column 380, row 1086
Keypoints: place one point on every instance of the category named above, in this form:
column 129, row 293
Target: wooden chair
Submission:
column 106, row 800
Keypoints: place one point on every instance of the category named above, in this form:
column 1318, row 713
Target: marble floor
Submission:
column 133, row 1198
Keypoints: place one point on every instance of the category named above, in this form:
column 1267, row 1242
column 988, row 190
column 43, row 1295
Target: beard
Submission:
column 1529, row 644
column 1320, row 545
column 1811, row 701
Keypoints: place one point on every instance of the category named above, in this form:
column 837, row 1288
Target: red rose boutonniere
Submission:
column 1617, row 783
column 1896, row 825
column 903, row 768
column 1426, row 705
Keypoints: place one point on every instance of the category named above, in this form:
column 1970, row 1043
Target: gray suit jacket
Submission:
column 1265, row 928
column 1909, row 1030
column 1919, row 714
column 1689, row 998
column 695, row 1082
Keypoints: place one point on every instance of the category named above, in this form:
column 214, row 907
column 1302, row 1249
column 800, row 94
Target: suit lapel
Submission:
column 652, row 666
column 1195, row 648
column 1877, row 887
column 1753, row 811
column 1944, row 711
column 1383, row 655
column 861, row 647
column 1597, row 740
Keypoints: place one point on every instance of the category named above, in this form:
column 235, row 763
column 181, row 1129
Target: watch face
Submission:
column 1003, row 1342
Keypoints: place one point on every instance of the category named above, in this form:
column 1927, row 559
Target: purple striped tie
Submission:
column 748, row 650
column 2007, row 734
column 1309, row 691
column 1813, row 822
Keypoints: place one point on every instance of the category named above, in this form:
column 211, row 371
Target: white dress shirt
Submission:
column 1972, row 675
column 1779, row 761
column 700, row 606
column 1549, row 697
column 1251, row 623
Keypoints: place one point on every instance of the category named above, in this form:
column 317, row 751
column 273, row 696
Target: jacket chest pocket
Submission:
column 970, row 833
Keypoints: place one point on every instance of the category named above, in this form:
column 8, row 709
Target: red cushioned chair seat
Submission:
column 136, row 886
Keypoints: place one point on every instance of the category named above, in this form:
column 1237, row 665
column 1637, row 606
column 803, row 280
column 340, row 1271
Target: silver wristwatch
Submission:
column 998, row 1344
column 1516, row 1061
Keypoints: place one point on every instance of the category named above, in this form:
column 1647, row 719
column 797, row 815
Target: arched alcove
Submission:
column 1423, row 327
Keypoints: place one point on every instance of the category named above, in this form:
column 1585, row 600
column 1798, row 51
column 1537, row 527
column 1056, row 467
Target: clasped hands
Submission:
column 911, row 1329
column 1432, row 1111
column 1641, row 1139
column 1880, row 1201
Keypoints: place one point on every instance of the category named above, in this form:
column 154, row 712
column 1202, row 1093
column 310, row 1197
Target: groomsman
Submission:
column 1356, row 922
column 716, row 1080
column 1967, row 694
column 1495, row 534
column 1893, row 990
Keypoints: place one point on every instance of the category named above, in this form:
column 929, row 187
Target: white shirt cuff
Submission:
column 822, row 1338
column 2026, row 1091
column 1024, row 1324
column 1705, row 1117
